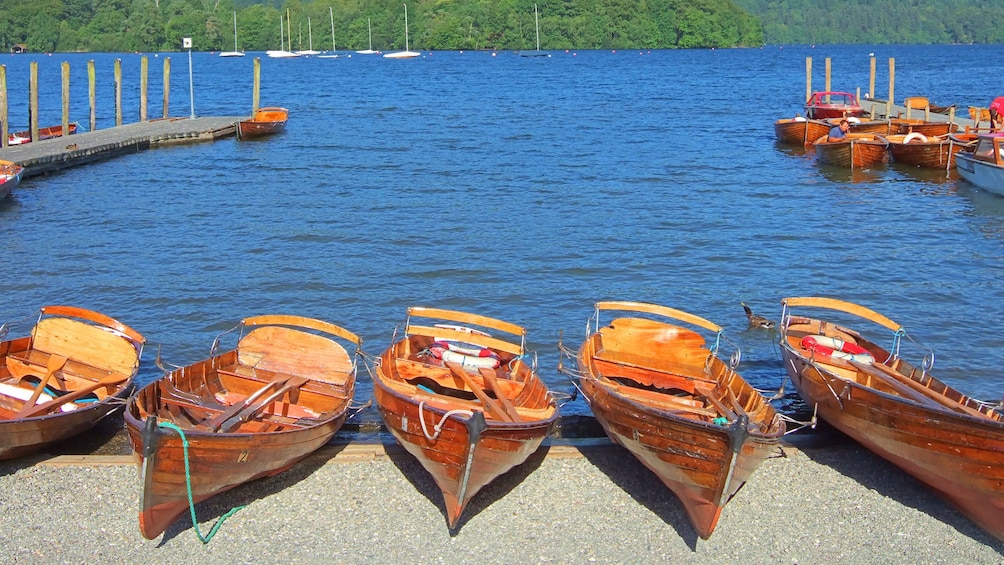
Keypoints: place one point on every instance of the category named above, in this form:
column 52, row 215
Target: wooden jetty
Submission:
column 50, row 155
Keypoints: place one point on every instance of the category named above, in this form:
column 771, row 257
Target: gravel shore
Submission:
column 832, row 504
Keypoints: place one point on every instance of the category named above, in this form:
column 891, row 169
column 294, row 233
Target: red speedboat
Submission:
column 822, row 105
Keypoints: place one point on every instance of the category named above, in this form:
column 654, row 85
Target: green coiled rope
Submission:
column 188, row 483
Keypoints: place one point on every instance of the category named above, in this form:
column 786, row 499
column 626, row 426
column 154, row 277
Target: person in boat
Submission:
column 839, row 131
column 997, row 114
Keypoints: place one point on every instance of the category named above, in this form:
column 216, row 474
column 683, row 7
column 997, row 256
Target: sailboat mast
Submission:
column 235, row 32
column 310, row 35
column 536, row 24
column 370, row 28
column 282, row 36
column 406, row 46
column 331, row 14
column 289, row 33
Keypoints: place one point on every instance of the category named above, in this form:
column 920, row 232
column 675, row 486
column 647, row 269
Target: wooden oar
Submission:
column 54, row 364
column 72, row 396
column 489, row 376
column 486, row 400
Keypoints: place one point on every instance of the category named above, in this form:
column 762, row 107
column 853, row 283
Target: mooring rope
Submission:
column 188, row 484
column 438, row 427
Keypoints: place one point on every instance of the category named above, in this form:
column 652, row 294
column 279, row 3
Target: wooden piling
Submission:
column 143, row 69
column 827, row 74
column 167, row 85
column 871, row 78
column 808, row 78
column 33, row 100
column 91, row 98
column 256, row 90
column 66, row 98
column 892, row 80
column 118, row 92
column 3, row 106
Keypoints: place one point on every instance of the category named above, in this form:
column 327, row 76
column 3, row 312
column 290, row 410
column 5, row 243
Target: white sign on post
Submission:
column 186, row 42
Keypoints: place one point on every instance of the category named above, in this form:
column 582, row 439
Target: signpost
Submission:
column 187, row 44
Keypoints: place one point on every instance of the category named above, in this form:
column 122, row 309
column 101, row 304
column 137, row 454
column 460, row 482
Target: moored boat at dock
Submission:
column 799, row 130
column 856, row 151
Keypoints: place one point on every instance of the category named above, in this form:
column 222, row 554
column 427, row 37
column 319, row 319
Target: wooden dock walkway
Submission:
column 64, row 152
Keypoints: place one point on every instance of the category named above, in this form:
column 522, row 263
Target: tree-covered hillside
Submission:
column 153, row 25
column 879, row 21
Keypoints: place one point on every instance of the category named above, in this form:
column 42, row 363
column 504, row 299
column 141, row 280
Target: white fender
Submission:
column 915, row 135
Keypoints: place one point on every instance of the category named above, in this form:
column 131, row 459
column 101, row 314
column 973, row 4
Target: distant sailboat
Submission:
column 235, row 52
column 310, row 39
column 281, row 53
column 334, row 52
column 369, row 51
column 407, row 53
column 538, row 52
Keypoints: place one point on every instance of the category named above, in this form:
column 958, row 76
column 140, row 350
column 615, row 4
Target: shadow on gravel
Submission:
column 644, row 487
column 495, row 490
column 209, row 511
column 871, row 471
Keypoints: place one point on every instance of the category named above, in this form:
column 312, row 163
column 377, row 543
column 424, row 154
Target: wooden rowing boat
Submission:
column 673, row 403
column 22, row 137
column 265, row 121
column 921, row 151
column 10, row 176
column 951, row 442
column 856, row 151
column 926, row 128
column 799, row 130
column 248, row 413
column 76, row 367
column 467, row 405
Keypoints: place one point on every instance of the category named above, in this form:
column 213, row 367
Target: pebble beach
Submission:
column 570, row 503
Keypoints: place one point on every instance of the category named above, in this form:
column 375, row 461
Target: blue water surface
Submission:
column 520, row 188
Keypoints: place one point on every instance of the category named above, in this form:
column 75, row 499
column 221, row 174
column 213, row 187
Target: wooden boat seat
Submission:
column 294, row 352
column 240, row 412
column 664, row 366
column 674, row 404
column 93, row 354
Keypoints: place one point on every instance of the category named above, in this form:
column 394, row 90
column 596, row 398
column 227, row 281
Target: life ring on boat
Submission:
column 837, row 348
column 915, row 135
column 466, row 355
column 853, row 120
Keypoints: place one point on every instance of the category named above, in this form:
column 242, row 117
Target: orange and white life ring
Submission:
column 836, row 348
column 915, row 135
column 466, row 355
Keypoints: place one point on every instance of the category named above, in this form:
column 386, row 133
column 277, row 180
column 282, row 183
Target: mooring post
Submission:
column 91, row 98
column 118, row 92
column 892, row 85
column 33, row 100
column 828, row 66
column 3, row 106
column 143, row 71
column 256, row 90
column 808, row 78
column 66, row 99
column 871, row 79
column 167, row 84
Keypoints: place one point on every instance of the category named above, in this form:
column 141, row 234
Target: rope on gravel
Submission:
column 188, row 484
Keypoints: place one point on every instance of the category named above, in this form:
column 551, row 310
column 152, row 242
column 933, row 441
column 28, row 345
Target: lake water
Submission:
column 521, row 188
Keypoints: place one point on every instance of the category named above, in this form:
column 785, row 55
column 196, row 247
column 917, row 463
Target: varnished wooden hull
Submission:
column 857, row 152
column 464, row 458
column 943, row 438
column 10, row 176
column 799, row 131
column 25, row 435
column 22, row 137
column 271, row 441
column 651, row 400
column 929, row 129
column 462, row 443
column 932, row 154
